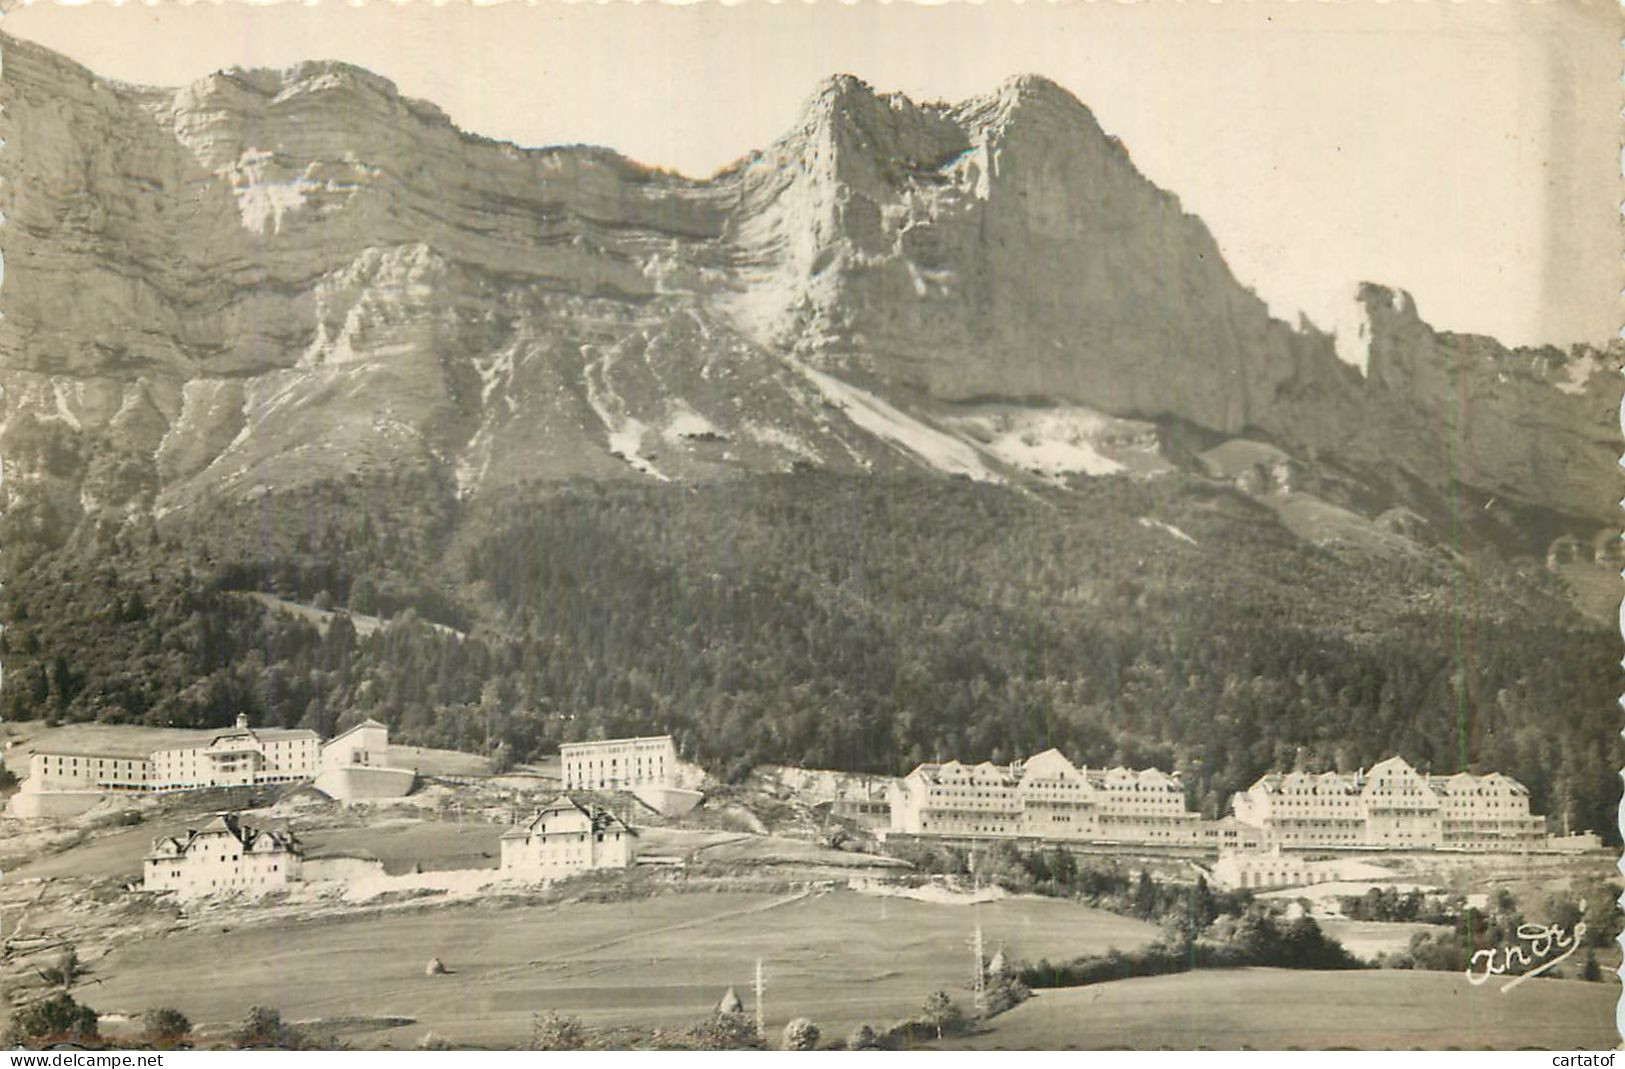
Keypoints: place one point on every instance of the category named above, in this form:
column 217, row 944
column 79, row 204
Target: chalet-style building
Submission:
column 566, row 838
column 223, row 856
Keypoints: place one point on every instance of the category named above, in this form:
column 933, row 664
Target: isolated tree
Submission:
column 801, row 1034
column 1145, row 896
column 944, row 1016
column 165, row 1026
column 556, row 1031
column 52, row 1020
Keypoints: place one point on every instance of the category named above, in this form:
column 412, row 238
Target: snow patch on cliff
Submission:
column 261, row 200
column 1147, row 521
column 1050, row 442
column 940, row 450
column 1577, row 372
column 779, row 438
column 1351, row 335
column 625, row 432
column 685, row 424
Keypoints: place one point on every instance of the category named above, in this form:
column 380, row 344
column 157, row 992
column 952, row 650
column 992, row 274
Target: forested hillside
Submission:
column 842, row 622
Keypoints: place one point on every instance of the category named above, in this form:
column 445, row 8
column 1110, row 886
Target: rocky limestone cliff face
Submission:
column 271, row 277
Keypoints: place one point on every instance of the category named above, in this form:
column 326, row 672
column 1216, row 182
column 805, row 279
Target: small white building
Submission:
column 619, row 764
column 223, row 857
column 1269, row 869
column 355, row 765
column 566, row 838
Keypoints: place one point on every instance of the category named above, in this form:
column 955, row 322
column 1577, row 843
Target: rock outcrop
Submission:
column 270, row 277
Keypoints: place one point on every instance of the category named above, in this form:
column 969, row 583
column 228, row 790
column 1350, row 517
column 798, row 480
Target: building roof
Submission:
column 367, row 723
column 606, row 742
column 106, row 755
column 599, row 818
column 260, row 840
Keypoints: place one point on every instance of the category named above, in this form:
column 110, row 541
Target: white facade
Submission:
column 223, row 857
column 1044, row 797
column 619, row 764
column 364, row 746
column 1393, row 805
column 240, row 757
column 88, row 772
column 566, row 838
column 1269, row 869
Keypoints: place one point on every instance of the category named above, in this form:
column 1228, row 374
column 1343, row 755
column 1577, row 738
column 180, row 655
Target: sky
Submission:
column 1466, row 151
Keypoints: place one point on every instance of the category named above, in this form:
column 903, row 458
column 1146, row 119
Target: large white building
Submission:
column 223, row 857
column 352, row 765
column 1046, row 797
column 241, row 756
column 566, row 838
column 1392, row 805
column 619, row 764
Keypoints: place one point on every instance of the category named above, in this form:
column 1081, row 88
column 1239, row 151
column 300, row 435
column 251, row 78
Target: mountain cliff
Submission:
column 270, row 278
column 290, row 334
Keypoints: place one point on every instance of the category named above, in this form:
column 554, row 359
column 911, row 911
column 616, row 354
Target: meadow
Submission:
column 1273, row 1009
column 839, row 957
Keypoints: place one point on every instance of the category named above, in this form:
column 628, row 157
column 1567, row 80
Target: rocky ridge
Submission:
column 266, row 277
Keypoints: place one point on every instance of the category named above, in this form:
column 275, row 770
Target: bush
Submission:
column 165, row 1026
column 725, row 1031
column 557, row 1032
column 58, row 1019
column 862, row 1038
column 261, row 1028
column 1252, row 939
column 801, row 1034
column 63, row 970
column 1003, row 993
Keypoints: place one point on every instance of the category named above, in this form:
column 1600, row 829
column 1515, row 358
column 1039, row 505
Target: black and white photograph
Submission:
column 811, row 527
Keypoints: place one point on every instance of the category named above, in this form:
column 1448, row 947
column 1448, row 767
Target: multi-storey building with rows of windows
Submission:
column 619, row 764
column 1392, row 805
column 1044, row 797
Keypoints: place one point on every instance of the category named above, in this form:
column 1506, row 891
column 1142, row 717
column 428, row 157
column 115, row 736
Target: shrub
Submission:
column 58, row 1019
column 557, row 1032
column 263, row 1028
column 165, row 1026
column 725, row 1031
column 862, row 1038
column 64, row 969
column 801, row 1034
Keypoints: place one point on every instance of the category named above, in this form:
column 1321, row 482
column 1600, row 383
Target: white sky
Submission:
column 1466, row 151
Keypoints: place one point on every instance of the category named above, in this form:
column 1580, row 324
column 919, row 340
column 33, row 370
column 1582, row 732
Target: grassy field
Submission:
column 1367, row 939
column 434, row 845
column 838, row 957
column 1272, row 1009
